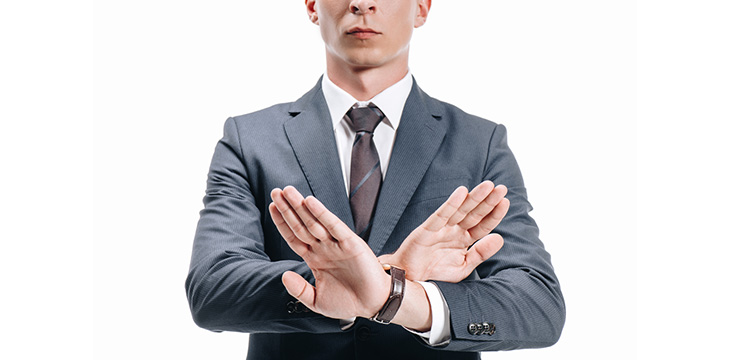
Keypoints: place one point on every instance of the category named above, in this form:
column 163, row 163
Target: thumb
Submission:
column 299, row 288
column 482, row 250
column 386, row 259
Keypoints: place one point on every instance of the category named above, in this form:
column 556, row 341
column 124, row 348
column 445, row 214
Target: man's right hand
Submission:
column 456, row 238
column 349, row 280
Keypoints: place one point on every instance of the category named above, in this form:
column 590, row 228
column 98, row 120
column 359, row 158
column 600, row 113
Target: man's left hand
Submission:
column 456, row 238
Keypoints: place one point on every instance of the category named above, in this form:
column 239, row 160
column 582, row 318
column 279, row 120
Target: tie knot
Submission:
column 365, row 118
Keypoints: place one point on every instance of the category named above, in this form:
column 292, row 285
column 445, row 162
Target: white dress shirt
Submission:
column 391, row 102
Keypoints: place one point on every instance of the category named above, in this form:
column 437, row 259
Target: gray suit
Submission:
column 238, row 256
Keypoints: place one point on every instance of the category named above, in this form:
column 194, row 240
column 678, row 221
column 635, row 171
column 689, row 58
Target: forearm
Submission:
column 525, row 307
column 516, row 291
column 522, row 303
column 233, row 284
column 230, row 293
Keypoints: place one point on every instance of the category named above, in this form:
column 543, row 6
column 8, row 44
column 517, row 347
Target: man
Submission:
column 297, row 268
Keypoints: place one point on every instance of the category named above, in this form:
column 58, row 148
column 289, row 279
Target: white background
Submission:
column 108, row 121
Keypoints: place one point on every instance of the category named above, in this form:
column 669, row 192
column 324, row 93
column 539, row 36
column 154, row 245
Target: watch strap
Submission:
column 397, row 291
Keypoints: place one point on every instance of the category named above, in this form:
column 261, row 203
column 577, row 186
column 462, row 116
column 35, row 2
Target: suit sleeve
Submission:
column 516, row 292
column 232, row 284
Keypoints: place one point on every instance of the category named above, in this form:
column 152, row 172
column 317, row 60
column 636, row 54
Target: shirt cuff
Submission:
column 440, row 333
column 346, row 323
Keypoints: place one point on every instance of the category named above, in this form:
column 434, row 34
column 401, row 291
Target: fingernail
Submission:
column 313, row 202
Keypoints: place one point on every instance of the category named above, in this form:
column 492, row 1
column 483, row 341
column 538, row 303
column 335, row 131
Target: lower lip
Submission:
column 363, row 34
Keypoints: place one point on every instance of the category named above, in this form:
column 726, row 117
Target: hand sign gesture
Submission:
column 349, row 279
column 456, row 238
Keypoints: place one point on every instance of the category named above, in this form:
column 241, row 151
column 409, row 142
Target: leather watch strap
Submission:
column 397, row 292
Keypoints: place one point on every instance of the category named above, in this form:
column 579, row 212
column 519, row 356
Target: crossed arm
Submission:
column 237, row 263
column 349, row 279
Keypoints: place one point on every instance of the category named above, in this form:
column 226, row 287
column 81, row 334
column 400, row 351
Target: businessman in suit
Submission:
column 374, row 248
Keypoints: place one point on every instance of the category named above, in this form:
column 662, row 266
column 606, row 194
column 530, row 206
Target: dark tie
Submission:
column 365, row 174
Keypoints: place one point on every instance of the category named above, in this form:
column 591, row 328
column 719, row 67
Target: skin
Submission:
column 366, row 44
column 364, row 63
column 456, row 238
column 350, row 281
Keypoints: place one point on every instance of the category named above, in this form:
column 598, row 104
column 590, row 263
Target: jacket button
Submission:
column 492, row 329
column 363, row 333
column 300, row 308
column 291, row 307
column 473, row 329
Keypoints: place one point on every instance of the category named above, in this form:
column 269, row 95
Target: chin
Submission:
column 367, row 59
column 363, row 57
column 364, row 64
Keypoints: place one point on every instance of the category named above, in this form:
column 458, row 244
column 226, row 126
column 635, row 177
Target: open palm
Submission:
column 349, row 280
column 456, row 238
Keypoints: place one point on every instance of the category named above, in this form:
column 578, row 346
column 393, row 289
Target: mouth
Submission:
column 362, row 33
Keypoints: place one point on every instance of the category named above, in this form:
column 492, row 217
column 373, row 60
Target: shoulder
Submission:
column 256, row 129
column 257, row 126
column 265, row 117
column 275, row 116
column 460, row 122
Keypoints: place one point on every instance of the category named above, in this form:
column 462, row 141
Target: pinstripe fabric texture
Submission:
column 365, row 173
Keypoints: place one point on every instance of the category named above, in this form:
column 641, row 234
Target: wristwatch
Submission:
column 397, row 291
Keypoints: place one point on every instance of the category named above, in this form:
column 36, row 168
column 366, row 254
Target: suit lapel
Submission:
column 311, row 135
column 417, row 141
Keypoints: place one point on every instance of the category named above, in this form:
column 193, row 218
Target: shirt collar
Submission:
column 390, row 101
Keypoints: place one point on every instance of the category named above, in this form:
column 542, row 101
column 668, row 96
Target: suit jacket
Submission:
column 234, row 283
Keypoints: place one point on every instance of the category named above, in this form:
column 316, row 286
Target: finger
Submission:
column 299, row 288
column 441, row 216
column 295, row 244
column 482, row 250
column 335, row 227
column 386, row 259
column 484, row 208
column 291, row 218
column 491, row 221
column 476, row 196
column 296, row 201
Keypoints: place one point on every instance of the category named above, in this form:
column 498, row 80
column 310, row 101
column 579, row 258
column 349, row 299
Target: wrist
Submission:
column 415, row 311
column 383, row 294
column 414, row 272
column 395, row 296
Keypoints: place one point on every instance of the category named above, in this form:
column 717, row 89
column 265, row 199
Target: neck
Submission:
column 363, row 83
